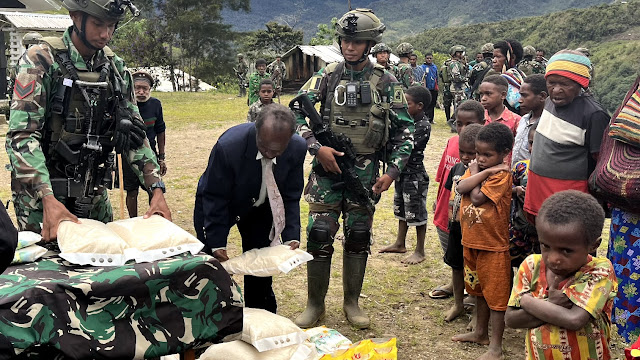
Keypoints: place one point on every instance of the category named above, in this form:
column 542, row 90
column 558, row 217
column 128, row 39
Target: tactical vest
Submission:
column 355, row 121
column 444, row 73
column 69, row 110
column 81, row 118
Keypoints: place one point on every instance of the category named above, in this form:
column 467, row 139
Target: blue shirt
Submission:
column 431, row 76
column 418, row 74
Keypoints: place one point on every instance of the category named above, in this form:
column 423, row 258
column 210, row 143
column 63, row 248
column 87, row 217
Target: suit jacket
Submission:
column 231, row 184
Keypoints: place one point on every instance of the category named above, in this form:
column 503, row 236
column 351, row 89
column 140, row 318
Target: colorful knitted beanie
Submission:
column 572, row 65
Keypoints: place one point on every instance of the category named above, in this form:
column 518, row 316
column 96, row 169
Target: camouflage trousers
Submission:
column 242, row 89
column 326, row 203
column 29, row 208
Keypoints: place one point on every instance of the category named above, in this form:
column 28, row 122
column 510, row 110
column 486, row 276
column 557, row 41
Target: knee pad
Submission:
column 320, row 242
column 358, row 238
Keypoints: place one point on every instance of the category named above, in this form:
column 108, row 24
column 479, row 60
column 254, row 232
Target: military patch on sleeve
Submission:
column 25, row 85
column 398, row 96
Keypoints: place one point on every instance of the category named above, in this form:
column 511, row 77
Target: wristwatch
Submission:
column 313, row 148
column 158, row 185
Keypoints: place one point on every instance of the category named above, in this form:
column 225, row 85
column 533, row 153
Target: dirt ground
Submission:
column 394, row 295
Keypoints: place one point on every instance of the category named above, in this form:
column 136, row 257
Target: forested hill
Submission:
column 611, row 32
column 402, row 17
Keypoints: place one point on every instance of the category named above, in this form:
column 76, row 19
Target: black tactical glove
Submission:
column 130, row 134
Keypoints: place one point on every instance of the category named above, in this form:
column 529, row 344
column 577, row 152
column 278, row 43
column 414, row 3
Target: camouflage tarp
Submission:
column 53, row 309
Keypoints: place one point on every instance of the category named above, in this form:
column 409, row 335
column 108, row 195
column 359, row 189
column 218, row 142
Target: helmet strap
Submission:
column 82, row 34
column 362, row 59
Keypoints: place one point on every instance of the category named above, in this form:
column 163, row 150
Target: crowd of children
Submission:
column 497, row 222
column 513, row 199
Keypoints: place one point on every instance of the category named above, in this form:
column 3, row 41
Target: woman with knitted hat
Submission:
column 506, row 55
column 569, row 132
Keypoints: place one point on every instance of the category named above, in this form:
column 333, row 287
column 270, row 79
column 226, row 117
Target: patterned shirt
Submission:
column 592, row 288
column 421, row 138
column 419, row 75
column 254, row 86
column 254, row 110
column 507, row 117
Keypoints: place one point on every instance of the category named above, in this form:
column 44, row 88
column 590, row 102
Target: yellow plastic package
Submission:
column 369, row 349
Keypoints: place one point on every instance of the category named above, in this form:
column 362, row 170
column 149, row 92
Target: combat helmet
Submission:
column 457, row 48
column 584, row 50
column 529, row 51
column 380, row 47
column 360, row 24
column 31, row 38
column 240, row 56
column 404, row 49
column 108, row 10
column 487, row 48
column 102, row 9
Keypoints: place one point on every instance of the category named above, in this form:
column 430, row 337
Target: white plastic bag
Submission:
column 268, row 261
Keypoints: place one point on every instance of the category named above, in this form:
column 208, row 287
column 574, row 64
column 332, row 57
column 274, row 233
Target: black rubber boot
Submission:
column 354, row 266
column 318, row 272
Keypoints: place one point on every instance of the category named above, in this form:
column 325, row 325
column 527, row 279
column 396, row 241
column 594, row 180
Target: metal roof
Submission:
column 32, row 21
column 328, row 53
column 29, row 5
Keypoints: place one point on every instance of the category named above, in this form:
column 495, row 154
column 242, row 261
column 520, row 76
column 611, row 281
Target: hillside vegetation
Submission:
column 609, row 31
column 406, row 17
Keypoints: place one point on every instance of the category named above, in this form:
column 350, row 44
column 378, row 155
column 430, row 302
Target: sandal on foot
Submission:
column 440, row 293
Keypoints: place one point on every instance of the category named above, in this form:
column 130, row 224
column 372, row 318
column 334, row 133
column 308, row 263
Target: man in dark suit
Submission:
column 232, row 191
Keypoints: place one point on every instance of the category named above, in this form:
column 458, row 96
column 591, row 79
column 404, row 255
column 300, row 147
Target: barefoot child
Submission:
column 266, row 98
column 469, row 112
column 410, row 198
column 484, row 219
column 454, row 257
column 564, row 297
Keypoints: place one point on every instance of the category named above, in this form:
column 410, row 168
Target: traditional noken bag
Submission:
column 616, row 178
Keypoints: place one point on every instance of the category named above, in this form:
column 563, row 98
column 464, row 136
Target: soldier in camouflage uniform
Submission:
column 278, row 71
column 241, row 73
column 405, row 72
column 255, row 79
column 445, row 80
column 72, row 105
column 458, row 71
column 379, row 129
column 381, row 52
column 479, row 70
column 528, row 65
column 541, row 59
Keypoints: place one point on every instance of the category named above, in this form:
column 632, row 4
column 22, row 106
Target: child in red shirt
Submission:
column 469, row 112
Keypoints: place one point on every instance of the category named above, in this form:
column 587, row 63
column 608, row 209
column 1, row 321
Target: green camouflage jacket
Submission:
column 529, row 67
column 402, row 127
column 281, row 71
column 458, row 72
column 254, row 86
column 35, row 88
column 241, row 68
column 405, row 75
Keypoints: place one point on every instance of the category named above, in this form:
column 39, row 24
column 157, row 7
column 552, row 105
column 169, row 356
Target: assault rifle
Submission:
column 349, row 178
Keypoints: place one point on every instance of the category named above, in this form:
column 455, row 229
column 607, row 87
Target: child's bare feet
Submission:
column 491, row 355
column 472, row 337
column 394, row 248
column 413, row 259
column 453, row 313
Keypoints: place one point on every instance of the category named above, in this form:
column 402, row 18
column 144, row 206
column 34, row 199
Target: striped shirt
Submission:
column 567, row 137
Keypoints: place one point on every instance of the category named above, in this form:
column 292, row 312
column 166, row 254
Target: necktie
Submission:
column 277, row 205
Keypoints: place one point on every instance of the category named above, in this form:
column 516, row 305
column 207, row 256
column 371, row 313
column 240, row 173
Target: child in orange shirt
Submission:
column 484, row 220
